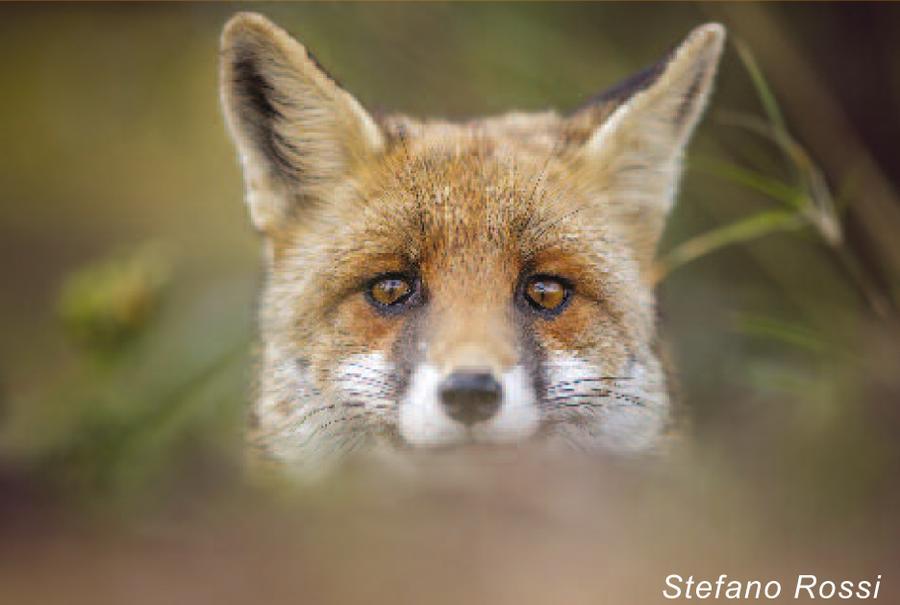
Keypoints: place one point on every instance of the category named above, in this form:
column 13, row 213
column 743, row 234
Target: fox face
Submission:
column 436, row 284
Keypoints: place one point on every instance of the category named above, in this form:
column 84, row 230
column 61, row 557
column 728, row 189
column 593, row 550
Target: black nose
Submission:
column 470, row 396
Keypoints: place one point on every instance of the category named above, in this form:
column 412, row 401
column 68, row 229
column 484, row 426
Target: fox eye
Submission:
column 390, row 290
column 546, row 293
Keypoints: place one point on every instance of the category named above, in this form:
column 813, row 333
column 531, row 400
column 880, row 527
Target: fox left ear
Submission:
column 297, row 131
column 634, row 153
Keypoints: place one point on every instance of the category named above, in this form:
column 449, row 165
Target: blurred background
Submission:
column 130, row 272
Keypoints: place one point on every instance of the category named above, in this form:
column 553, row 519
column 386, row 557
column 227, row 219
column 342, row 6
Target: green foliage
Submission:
column 807, row 201
column 107, row 304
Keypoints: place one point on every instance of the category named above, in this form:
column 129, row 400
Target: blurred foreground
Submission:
column 499, row 532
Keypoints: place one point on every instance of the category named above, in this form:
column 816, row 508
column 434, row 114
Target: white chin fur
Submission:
column 423, row 421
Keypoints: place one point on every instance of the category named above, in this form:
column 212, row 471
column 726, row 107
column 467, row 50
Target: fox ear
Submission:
column 297, row 131
column 641, row 128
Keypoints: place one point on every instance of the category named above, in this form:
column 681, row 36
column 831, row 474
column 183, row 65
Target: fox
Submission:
column 432, row 285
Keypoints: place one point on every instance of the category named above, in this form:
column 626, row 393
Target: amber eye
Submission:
column 546, row 293
column 390, row 290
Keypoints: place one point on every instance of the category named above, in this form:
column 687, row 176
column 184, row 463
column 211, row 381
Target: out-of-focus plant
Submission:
column 125, row 423
column 107, row 304
column 116, row 452
column 806, row 201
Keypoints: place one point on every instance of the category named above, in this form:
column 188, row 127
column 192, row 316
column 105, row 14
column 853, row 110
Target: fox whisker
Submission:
column 589, row 379
column 342, row 420
column 316, row 410
column 549, row 224
column 602, row 394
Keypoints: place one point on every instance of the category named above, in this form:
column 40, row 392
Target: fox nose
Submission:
column 470, row 396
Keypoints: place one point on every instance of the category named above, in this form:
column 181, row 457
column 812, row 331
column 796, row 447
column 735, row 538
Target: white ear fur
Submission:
column 297, row 132
column 636, row 152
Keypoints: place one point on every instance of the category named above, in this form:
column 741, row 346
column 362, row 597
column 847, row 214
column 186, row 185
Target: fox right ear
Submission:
column 297, row 131
column 639, row 131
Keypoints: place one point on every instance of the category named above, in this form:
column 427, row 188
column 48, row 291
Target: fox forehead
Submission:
column 460, row 210
column 459, row 200
column 448, row 176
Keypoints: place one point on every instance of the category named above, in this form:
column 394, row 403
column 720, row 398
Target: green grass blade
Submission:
column 763, row 90
column 782, row 331
column 790, row 196
column 743, row 230
column 820, row 206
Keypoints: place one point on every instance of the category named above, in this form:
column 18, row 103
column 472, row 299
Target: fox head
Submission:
column 432, row 283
